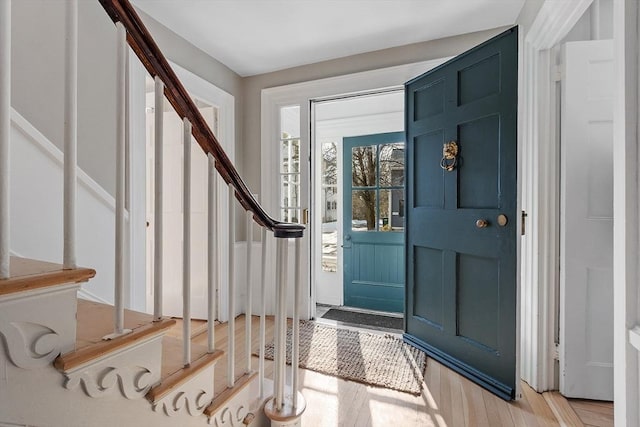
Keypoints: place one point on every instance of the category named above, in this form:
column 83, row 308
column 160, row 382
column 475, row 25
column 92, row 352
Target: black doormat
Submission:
column 357, row 318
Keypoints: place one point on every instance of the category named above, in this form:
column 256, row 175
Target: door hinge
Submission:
column 523, row 222
column 556, row 351
column 556, row 74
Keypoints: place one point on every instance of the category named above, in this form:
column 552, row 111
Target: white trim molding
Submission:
column 626, row 306
column 539, row 273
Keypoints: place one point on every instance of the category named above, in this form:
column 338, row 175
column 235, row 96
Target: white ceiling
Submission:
column 258, row 36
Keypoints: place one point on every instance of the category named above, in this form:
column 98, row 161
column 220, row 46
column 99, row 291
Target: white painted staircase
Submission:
column 55, row 369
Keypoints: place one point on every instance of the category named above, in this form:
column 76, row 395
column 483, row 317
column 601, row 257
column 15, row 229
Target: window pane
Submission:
column 290, row 156
column 290, row 190
column 392, row 165
column 363, row 204
column 290, row 215
column 363, row 166
column 290, row 121
column 329, row 163
column 391, row 210
column 329, row 247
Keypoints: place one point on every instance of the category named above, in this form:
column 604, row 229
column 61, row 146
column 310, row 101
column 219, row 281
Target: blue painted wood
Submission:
column 374, row 259
column 461, row 279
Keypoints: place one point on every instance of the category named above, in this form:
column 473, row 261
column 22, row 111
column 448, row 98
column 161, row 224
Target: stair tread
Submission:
column 221, row 399
column 28, row 274
column 182, row 375
column 95, row 320
column 172, row 357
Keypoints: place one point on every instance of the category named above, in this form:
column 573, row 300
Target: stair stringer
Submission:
column 38, row 398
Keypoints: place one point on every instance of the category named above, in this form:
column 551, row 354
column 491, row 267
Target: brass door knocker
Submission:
column 449, row 156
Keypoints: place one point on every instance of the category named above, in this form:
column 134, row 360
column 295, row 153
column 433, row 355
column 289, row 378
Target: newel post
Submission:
column 286, row 407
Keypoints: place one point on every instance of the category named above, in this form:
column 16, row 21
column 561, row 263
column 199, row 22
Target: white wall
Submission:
column 38, row 79
column 36, row 210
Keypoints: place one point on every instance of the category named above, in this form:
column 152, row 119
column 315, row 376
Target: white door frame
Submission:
column 207, row 91
column 626, row 292
column 302, row 94
column 540, row 175
column 338, row 128
column 210, row 93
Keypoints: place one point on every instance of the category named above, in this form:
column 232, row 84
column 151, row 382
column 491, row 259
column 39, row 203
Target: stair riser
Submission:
column 130, row 372
column 246, row 401
column 191, row 397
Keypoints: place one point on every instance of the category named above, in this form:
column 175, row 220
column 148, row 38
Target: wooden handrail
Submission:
column 147, row 50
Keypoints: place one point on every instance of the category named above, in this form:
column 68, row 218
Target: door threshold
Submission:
column 359, row 328
column 363, row 310
column 362, row 319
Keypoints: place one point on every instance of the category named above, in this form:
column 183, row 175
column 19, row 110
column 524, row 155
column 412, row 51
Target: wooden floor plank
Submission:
column 543, row 414
column 478, row 415
column 562, row 410
column 458, row 406
column 593, row 412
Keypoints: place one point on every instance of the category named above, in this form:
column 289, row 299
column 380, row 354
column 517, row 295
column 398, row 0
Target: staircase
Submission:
column 54, row 347
column 66, row 361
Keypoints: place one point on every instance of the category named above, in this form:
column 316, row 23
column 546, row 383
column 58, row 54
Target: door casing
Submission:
column 303, row 94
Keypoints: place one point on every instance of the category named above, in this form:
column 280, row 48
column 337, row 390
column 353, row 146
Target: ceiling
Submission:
column 258, row 36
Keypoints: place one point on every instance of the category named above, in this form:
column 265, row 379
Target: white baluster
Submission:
column 186, row 244
column 158, row 201
column 5, row 132
column 231, row 325
column 295, row 342
column 248, row 301
column 121, row 117
column 263, row 309
column 70, row 135
column 281, row 319
column 212, row 254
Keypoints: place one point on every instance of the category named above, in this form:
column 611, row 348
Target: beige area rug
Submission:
column 373, row 359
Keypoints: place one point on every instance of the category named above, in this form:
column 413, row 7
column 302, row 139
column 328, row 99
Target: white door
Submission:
column 172, row 210
column 586, row 240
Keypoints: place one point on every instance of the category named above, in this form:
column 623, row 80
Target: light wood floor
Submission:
column 593, row 413
column 448, row 399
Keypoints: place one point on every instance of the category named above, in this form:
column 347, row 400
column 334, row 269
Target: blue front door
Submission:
column 462, row 216
column 373, row 234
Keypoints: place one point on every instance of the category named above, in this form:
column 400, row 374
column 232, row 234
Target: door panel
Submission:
column 373, row 246
column 461, row 273
column 586, row 238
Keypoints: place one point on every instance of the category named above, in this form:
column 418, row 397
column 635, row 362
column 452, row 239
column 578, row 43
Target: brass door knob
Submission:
column 482, row 223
